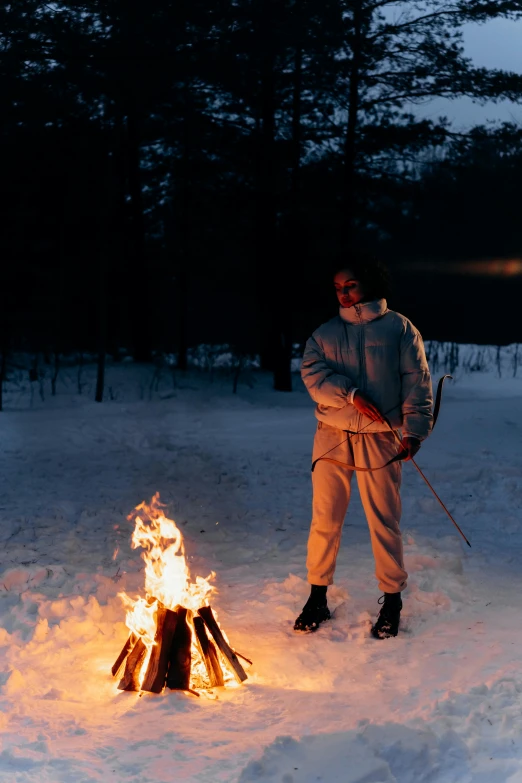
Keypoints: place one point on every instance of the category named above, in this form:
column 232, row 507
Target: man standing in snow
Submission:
column 366, row 369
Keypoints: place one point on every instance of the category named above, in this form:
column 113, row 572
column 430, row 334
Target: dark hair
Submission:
column 372, row 273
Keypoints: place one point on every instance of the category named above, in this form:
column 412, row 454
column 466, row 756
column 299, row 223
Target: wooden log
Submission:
column 156, row 674
column 244, row 658
column 131, row 677
column 127, row 647
column 209, row 654
column 210, row 621
column 180, row 657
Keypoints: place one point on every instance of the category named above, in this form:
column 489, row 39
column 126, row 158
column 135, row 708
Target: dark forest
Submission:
column 187, row 172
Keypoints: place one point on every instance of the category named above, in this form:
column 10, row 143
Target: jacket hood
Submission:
column 365, row 312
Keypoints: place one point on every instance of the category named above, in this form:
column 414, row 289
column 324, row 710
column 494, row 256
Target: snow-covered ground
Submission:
column 442, row 702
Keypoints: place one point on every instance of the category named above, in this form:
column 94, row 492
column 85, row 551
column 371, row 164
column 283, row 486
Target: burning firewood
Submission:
column 167, row 625
column 131, row 678
column 180, row 657
column 208, row 653
column 175, row 639
column 210, row 621
column 120, row 660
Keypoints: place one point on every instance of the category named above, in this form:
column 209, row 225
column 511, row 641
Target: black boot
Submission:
column 315, row 611
column 389, row 617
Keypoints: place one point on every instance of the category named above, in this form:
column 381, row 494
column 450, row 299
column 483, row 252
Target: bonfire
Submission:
column 175, row 639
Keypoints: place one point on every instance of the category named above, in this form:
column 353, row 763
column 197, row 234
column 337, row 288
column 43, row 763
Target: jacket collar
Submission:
column 364, row 313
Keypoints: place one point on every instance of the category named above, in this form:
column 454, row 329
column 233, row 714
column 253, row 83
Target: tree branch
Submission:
column 394, row 28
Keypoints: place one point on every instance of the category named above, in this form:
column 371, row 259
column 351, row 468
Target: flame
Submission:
column 167, row 576
column 141, row 618
column 167, row 582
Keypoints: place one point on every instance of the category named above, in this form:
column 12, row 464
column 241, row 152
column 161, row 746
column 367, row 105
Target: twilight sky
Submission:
column 497, row 44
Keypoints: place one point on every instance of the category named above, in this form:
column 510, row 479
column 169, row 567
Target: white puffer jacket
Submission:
column 378, row 351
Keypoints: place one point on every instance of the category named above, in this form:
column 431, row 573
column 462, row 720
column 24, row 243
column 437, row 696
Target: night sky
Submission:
column 497, row 44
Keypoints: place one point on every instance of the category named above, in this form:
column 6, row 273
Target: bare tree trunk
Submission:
column 58, row 324
column 132, row 87
column 294, row 228
column 140, row 281
column 3, row 363
column 120, row 316
column 36, row 377
column 186, row 230
column 80, row 372
column 54, row 377
column 106, row 247
column 177, row 340
column 296, row 109
column 181, row 299
column 102, row 327
column 265, row 209
column 350, row 148
column 33, row 371
column 275, row 305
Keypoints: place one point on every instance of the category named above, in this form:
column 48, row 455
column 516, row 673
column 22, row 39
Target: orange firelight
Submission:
column 169, row 591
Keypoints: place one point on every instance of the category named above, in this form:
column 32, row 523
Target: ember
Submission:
column 175, row 638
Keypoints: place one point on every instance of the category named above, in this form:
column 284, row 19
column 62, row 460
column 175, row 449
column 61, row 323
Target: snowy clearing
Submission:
column 442, row 702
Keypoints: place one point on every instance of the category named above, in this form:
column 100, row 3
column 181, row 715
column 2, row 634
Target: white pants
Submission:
column 380, row 495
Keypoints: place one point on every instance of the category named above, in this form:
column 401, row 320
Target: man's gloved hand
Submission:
column 411, row 447
column 366, row 406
